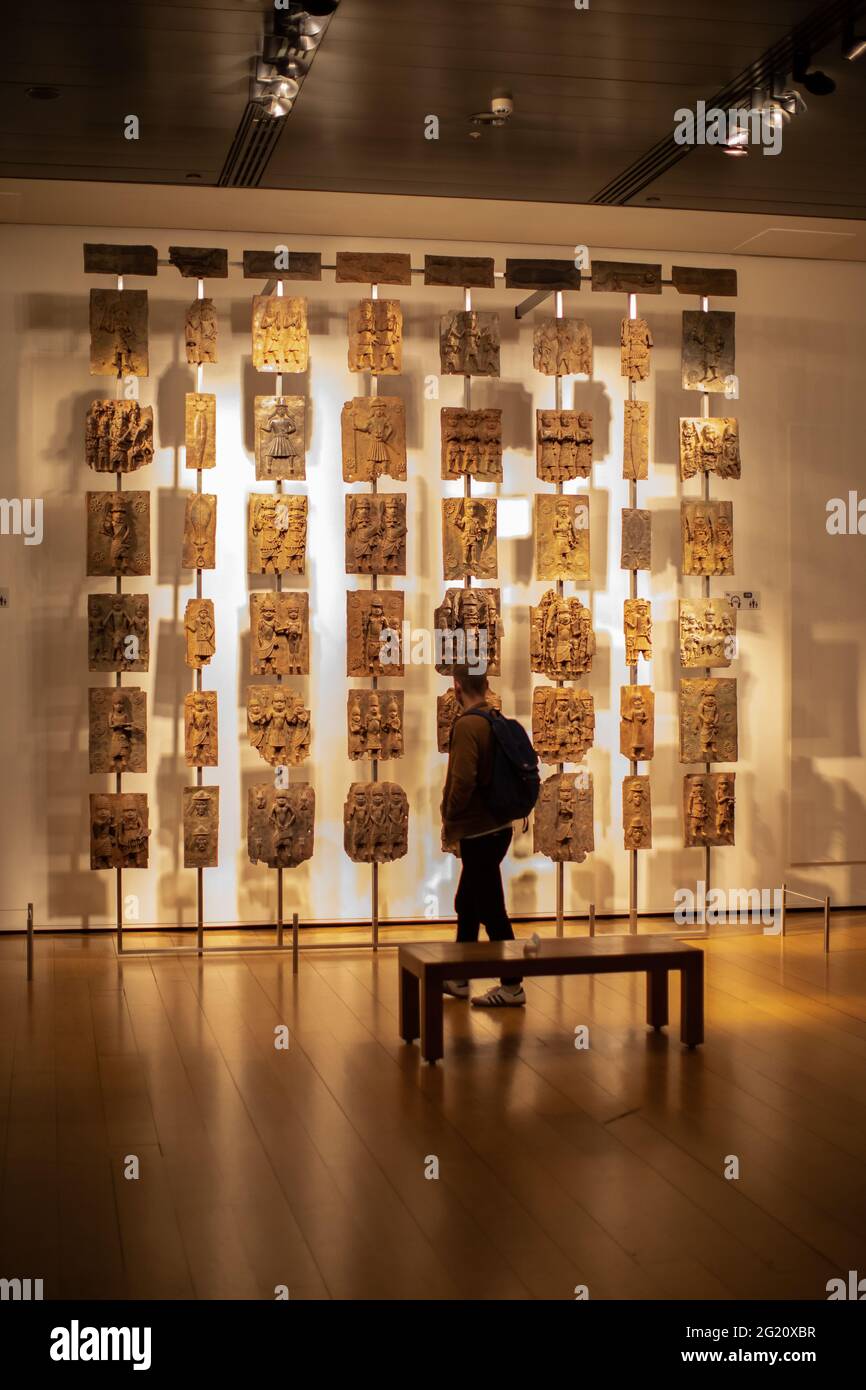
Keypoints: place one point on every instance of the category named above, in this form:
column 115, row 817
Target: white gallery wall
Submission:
column 801, row 777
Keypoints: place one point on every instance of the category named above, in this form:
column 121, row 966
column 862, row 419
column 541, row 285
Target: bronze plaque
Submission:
column 118, row 533
column 376, row 337
column 635, row 342
column 118, row 632
column 637, row 707
column 373, row 430
column 200, row 262
column 376, row 533
column 708, row 537
column 627, row 277
column 635, row 440
column 708, row 349
column 562, row 347
column 540, row 274
column 637, row 818
column 375, row 822
column 562, row 536
column 708, row 808
column 278, row 725
column 561, row 638
column 118, row 333
column 709, row 444
column 118, row 729
column 636, row 552
column 562, row 826
column 280, row 634
column 119, row 830
column 108, row 258
column 201, row 827
column 695, row 279
column 280, row 443
column 374, row 632
column 199, row 629
column 200, row 332
column 563, row 723
column 468, row 272
column 277, row 533
column 200, row 734
column 471, row 443
column 199, row 532
column 469, row 537
column 373, row 268
column 281, row 340
column 468, row 631
column 708, row 719
column 118, row 436
column 638, row 627
column 374, row 723
column 200, row 429
column 469, row 343
column 281, row 825
column 563, row 445
column 707, row 632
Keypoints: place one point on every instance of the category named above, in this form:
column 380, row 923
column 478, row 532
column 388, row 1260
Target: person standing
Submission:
column 482, row 837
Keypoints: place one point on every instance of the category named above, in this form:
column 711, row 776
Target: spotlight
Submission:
column 278, row 105
column 815, row 81
column 854, row 48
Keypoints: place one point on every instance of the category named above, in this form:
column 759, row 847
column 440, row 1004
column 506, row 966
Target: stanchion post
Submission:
column 592, row 919
column 30, row 941
column 784, row 905
column 295, row 946
column 827, row 926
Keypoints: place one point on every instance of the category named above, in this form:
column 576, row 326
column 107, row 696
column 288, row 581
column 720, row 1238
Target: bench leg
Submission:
column 432, row 1045
column 657, row 997
column 410, row 1012
column 692, row 1001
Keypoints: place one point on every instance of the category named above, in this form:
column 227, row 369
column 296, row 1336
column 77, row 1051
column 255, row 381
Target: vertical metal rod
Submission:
column 559, row 866
column 30, row 941
column 784, row 905
column 118, row 898
column 199, row 927
column 295, row 950
column 280, row 904
column 827, row 926
column 634, row 765
column 592, row 919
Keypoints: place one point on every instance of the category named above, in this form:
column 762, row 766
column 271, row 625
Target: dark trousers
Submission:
column 480, row 898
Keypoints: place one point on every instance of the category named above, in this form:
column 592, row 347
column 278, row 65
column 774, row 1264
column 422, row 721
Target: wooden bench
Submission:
column 424, row 967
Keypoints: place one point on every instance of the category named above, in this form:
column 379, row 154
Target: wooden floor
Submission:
column 306, row 1167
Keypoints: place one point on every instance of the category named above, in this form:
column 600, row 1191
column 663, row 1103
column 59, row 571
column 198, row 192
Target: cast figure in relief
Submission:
column 708, row 720
column 118, row 729
column 636, row 813
column 709, row 445
column 563, row 447
column 562, row 536
column 469, row 344
column 708, row 808
column 471, row 443
column 635, row 343
column 281, row 825
column 279, row 634
column 118, row 436
column 469, row 537
column 638, row 626
column 200, row 429
column 636, row 722
column 278, row 725
column 708, row 537
column 635, row 459
column 280, row 336
column 118, row 629
column 373, row 431
column 563, row 723
column 375, row 724
column 199, row 532
column 118, row 830
column 199, row 631
column 280, row 445
column 468, row 631
column 118, row 533
column 562, row 347
column 200, row 728
column 707, row 632
column 708, row 349
column 200, row 827
column 277, row 533
column 118, row 333
column 201, row 332
column 376, row 337
column 563, row 819
column 375, row 822
column 374, row 632
column 561, row 639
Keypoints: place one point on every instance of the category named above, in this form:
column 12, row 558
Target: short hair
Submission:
column 472, row 681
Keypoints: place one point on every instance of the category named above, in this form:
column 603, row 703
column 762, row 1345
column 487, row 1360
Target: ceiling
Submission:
column 594, row 92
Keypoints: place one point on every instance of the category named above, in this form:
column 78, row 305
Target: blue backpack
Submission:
column 514, row 784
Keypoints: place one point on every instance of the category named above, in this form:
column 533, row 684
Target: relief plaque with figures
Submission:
column 118, row 632
column 468, row 630
column 469, row 537
column 278, row 725
column 199, row 627
column 562, row 536
column 199, row 532
column 709, row 444
column 563, row 723
column 118, row 333
column 281, row 340
column 562, row 347
column 200, row 332
column 635, row 340
column 562, row 826
column 200, row 429
column 635, row 440
column 637, row 535
column 469, row 343
column 375, row 822
column 707, row 632
column 638, row 628
column 119, row 830
column 376, row 533
column 201, row 827
column 118, row 729
column 280, row 634
column 561, row 639
column 708, row 537
column 708, row 719
column 637, row 821
column 118, row 533
column 374, row 722
column 201, row 743
column 374, row 631
column 118, row 436
column 448, row 711
column 708, row 808
column 280, row 444
column 708, row 349
column 277, row 533
column 373, row 430
column 471, row 443
column 637, row 708
column 563, row 445
column 281, row 824
column 376, row 337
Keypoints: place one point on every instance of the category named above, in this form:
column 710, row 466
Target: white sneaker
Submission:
column 459, row 988
column 500, row 997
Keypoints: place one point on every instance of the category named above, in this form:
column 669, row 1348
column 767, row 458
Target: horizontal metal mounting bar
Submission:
column 531, row 302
